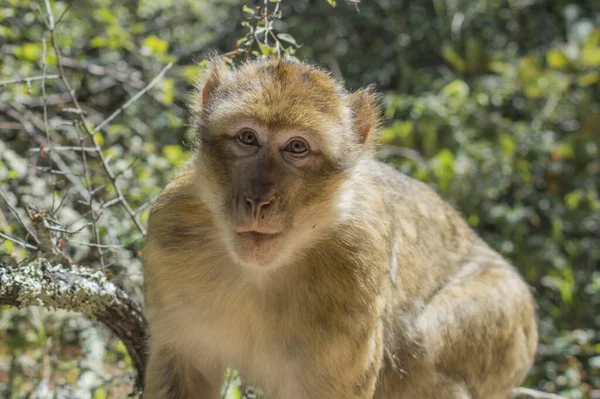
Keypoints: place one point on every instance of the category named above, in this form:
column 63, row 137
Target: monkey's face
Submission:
column 277, row 141
column 274, row 189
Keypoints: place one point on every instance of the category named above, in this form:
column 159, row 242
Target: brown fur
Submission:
column 374, row 287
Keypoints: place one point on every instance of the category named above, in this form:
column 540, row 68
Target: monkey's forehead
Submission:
column 281, row 94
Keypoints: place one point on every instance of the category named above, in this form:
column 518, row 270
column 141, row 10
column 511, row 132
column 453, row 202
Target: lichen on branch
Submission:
column 82, row 290
column 74, row 288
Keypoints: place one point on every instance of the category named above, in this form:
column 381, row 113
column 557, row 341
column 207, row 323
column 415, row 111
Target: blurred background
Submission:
column 493, row 103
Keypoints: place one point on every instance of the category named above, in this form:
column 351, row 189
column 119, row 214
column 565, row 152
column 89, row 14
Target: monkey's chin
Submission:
column 258, row 250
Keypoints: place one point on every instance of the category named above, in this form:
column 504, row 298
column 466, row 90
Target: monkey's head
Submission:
column 278, row 141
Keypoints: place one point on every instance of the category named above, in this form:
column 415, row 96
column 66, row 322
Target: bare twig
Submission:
column 526, row 393
column 16, row 215
column 144, row 206
column 70, row 232
column 262, row 10
column 30, row 123
column 86, row 174
column 51, row 171
column 65, row 148
column 266, row 21
column 127, row 77
column 88, row 244
column 128, row 167
column 17, row 241
column 45, row 109
column 111, row 202
column 85, row 125
column 27, row 80
column 50, row 15
column 61, row 202
column 134, row 98
column 46, row 246
column 65, row 11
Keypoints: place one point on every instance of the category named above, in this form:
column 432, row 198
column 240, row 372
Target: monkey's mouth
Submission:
column 257, row 237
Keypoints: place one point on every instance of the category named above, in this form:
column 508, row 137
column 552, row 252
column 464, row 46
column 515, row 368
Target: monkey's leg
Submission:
column 418, row 382
column 478, row 338
column 171, row 375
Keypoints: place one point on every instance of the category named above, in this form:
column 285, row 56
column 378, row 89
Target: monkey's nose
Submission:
column 258, row 204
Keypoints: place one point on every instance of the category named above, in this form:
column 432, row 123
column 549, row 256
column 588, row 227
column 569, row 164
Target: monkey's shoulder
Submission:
column 417, row 217
column 178, row 212
column 179, row 196
column 403, row 196
column 397, row 184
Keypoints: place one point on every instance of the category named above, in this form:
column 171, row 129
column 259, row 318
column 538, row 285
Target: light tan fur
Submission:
column 368, row 285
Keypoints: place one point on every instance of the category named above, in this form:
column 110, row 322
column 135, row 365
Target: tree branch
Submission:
column 526, row 393
column 27, row 80
column 79, row 289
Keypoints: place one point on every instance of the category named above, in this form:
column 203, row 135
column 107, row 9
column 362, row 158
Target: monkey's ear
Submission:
column 211, row 79
column 366, row 112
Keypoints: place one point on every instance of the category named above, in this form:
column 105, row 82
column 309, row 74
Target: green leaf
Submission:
column 248, row 10
column 138, row 27
column 508, row 145
column 399, row 130
column 589, row 79
column 590, row 56
column 562, row 151
column 567, row 286
column 556, row 59
column 29, row 51
column 191, row 72
column 155, row 45
column 105, row 15
column 474, row 220
column 443, row 167
column 99, row 41
column 266, row 50
column 99, row 139
column 8, row 246
column 174, row 154
column 121, row 349
column 573, row 199
column 452, row 57
column 457, row 87
column 167, row 86
column 529, row 69
column 332, row 3
column 286, row 37
column 100, row 393
column 12, row 174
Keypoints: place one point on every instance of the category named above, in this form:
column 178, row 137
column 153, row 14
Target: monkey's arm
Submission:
column 175, row 367
column 170, row 375
column 344, row 368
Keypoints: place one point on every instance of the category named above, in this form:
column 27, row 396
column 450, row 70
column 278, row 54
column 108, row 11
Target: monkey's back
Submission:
column 460, row 314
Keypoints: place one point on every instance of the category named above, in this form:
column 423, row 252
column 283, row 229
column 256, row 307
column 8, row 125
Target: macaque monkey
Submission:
column 286, row 251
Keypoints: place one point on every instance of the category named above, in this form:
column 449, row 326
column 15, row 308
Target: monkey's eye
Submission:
column 247, row 137
column 297, row 147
